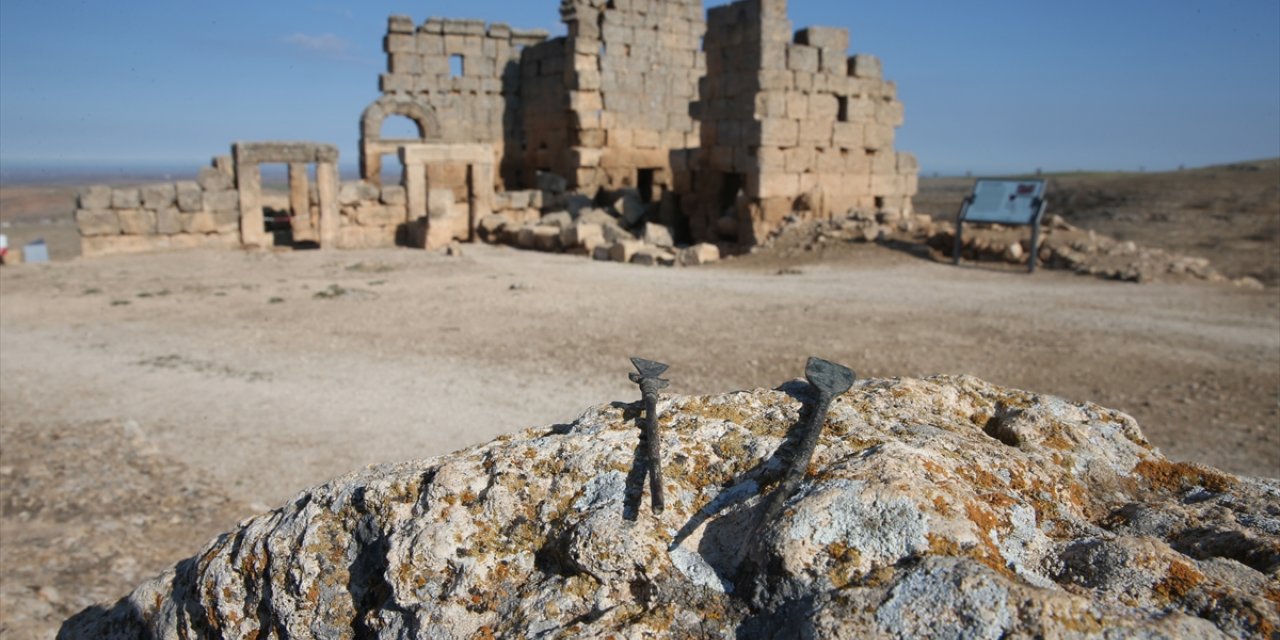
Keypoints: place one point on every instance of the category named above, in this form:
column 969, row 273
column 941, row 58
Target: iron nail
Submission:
column 829, row 380
column 650, row 384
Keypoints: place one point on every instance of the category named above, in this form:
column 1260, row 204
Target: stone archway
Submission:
column 373, row 146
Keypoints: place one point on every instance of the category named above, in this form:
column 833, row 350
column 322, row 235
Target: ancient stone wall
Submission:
column 545, row 102
column 632, row 74
column 792, row 126
column 204, row 213
column 459, row 81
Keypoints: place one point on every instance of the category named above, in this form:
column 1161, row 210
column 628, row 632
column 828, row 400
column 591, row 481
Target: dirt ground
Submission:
column 149, row 402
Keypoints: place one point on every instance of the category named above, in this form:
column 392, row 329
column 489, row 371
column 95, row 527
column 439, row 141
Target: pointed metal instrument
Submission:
column 648, row 377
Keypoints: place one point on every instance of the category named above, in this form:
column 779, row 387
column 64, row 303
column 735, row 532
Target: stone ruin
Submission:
column 651, row 125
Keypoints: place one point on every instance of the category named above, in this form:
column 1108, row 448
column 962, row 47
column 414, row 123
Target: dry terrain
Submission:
column 148, row 402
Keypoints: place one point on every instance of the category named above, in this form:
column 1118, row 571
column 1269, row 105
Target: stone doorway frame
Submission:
column 249, row 156
column 479, row 160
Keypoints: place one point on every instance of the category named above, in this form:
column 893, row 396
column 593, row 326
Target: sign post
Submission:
column 1006, row 202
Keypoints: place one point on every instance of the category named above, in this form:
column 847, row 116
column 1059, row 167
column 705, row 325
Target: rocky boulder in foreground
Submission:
column 945, row 507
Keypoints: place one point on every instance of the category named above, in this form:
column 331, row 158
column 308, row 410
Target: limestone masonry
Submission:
column 652, row 129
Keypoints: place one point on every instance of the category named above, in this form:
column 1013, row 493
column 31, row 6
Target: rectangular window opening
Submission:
column 644, row 182
column 457, row 66
column 843, row 115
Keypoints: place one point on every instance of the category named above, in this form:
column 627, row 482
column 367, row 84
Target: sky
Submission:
column 990, row 86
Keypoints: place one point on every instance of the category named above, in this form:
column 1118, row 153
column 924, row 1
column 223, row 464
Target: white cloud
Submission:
column 327, row 45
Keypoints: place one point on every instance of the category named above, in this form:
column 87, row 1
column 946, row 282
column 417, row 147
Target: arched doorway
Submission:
column 373, row 146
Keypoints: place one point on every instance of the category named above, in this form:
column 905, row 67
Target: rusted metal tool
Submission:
column 829, row 380
column 650, row 384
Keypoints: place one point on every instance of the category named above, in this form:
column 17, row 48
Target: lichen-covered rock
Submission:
column 944, row 507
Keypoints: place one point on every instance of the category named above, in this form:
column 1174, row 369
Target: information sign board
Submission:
column 1007, row 202
column 1013, row 202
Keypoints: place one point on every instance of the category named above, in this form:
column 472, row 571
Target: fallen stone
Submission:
column 602, row 252
column 580, row 235
column 489, row 228
column 699, row 254
column 650, row 256
column 596, row 216
column 658, row 235
column 546, row 237
column 551, row 182
column 943, row 507
column 1013, row 252
column 557, row 219
column 630, row 210
column 624, row 250
column 614, row 233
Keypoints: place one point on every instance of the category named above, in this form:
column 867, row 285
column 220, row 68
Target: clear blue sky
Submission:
column 989, row 86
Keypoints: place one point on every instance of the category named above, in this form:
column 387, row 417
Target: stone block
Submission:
column 558, row 219
column 400, row 43
column 824, row 37
column 137, row 222
column 546, row 237
column 602, row 252
column 200, row 222
column 490, row 227
column 440, row 204
column 653, row 256
column 797, row 105
column 226, row 222
column 228, row 200
column 658, row 235
column 803, row 58
column 211, row 179
column 847, row 135
column 815, row 133
column 351, row 193
column 774, row 132
column 624, row 250
column 394, row 194
column 824, row 107
column 356, row 237
column 629, row 209
column 551, row 182
column 699, row 254
column 878, row 136
column 190, row 197
column 645, row 139
column 168, row 221
column 405, row 63
column 866, row 66
column 95, row 198
column 582, row 235
column 400, row 24
column 370, row 214
column 157, row 196
column 97, row 222
column 126, row 198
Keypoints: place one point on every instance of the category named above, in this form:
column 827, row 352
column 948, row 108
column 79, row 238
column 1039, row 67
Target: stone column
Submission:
column 249, row 182
column 482, row 195
column 299, row 197
column 327, row 185
column 415, row 185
